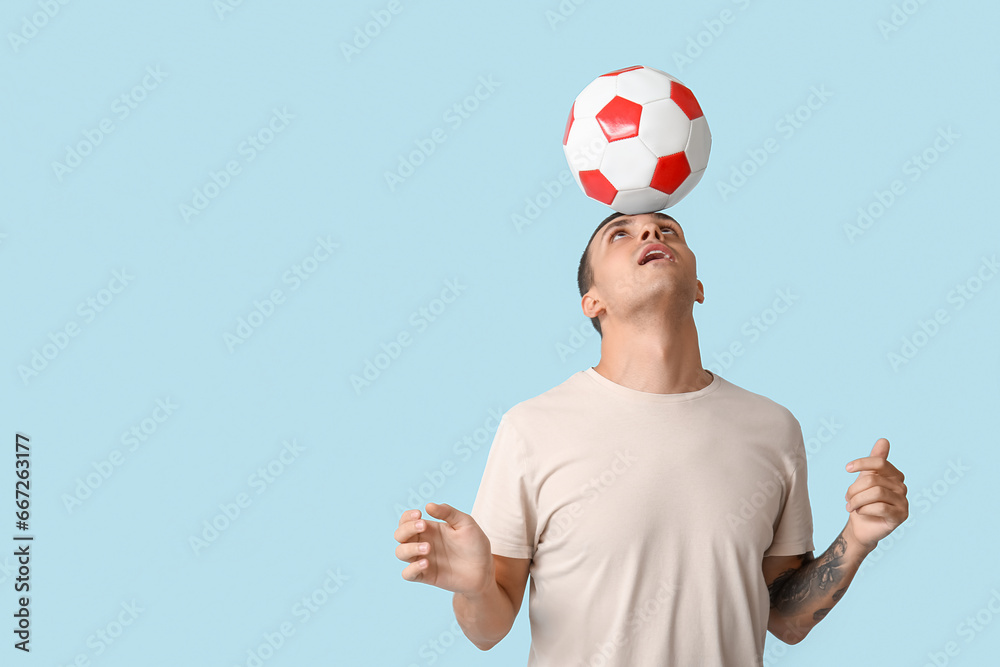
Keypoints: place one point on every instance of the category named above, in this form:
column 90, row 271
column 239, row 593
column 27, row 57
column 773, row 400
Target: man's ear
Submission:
column 592, row 307
column 700, row 296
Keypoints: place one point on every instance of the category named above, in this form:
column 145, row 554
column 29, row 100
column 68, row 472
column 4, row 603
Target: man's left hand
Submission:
column 877, row 498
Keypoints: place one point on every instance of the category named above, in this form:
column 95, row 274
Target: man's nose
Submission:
column 651, row 228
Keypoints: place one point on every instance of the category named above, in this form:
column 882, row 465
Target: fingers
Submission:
column 881, row 448
column 884, row 510
column 864, row 482
column 409, row 515
column 407, row 532
column 447, row 513
column 876, row 494
column 411, row 550
column 415, row 571
column 875, row 464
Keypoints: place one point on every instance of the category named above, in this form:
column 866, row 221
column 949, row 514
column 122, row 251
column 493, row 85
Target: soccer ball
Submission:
column 637, row 140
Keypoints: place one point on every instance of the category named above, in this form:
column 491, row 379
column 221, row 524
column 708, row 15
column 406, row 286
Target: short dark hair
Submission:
column 585, row 272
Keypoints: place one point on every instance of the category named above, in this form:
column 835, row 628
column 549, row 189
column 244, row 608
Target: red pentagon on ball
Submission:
column 569, row 123
column 619, row 119
column 670, row 172
column 684, row 98
column 597, row 186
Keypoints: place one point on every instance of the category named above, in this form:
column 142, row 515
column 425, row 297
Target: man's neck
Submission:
column 658, row 361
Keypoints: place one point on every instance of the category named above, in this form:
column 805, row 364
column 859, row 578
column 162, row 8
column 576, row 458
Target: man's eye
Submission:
column 622, row 231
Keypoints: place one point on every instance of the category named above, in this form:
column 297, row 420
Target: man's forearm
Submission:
column 801, row 598
column 485, row 618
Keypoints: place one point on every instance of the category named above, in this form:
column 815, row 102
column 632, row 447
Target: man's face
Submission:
column 622, row 282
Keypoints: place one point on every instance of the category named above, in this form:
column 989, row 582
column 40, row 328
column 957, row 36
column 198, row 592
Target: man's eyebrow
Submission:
column 665, row 217
column 626, row 220
column 614, row 224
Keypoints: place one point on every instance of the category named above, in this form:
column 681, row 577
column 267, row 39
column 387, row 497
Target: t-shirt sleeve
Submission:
column 503, row 506
column 793, row 532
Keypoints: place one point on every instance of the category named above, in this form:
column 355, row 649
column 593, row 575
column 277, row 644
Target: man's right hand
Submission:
column 453, row 554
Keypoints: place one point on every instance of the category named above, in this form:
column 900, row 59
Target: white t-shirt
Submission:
column 646, row 517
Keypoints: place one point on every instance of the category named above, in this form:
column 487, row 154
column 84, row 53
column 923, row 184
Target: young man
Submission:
column 661, row 511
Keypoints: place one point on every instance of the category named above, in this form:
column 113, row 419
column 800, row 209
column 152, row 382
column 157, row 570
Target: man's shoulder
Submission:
column 565, row 396
column 757, row 403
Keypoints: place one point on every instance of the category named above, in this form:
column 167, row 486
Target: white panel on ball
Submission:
column 699, row 144
column 669, row 76
column 664, row 128
column 643, row 200
column 628, row 164
column 585, row 144
column 643, row 86
column 687, row 186
column 594, row 97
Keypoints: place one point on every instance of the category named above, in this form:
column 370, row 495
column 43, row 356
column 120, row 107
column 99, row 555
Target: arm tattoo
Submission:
column 820, row 613
column 815, row 582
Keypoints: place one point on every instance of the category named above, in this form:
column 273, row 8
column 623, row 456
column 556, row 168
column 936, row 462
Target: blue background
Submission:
column 514, row 330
